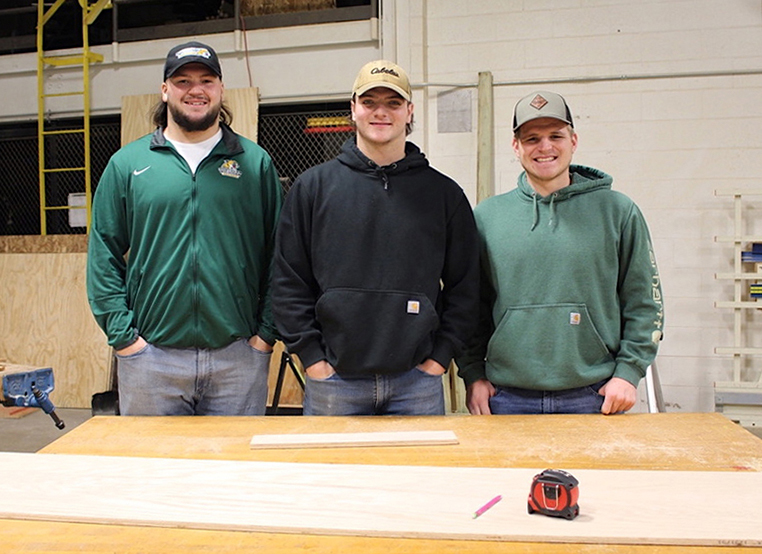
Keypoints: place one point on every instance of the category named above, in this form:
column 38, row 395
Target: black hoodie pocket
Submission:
column 370, row 331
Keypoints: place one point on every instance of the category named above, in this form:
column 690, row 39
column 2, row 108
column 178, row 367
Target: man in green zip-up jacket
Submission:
column 571, row 304
column 180, row 251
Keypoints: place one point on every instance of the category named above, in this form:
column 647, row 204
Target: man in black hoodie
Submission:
column 375, row 286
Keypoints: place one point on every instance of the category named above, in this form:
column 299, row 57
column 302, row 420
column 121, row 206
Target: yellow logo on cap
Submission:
column 194, row 51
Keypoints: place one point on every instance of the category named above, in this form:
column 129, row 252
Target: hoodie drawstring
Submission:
column 381, row 172
column 536, row 210
column 552, row 209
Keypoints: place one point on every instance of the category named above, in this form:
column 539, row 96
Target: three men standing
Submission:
column 375, row 281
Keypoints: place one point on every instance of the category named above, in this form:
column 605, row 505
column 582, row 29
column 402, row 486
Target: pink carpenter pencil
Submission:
column 487, row 506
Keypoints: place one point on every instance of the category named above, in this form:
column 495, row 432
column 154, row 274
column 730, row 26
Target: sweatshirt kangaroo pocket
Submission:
column 369, row 331
column 541, row 339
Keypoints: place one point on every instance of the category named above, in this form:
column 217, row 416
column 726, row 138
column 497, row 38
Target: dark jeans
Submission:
column 410, row 393
column 584, row 400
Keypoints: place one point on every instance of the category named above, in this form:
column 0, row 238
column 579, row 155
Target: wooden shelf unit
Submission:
column 740, row 399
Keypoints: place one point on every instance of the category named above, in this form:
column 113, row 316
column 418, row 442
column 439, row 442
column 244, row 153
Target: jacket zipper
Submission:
column 194, row 254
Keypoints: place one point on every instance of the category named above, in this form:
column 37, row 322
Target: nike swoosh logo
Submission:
column 138, row 172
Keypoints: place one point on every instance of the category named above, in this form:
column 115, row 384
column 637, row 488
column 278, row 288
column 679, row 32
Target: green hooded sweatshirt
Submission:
column 571, row 293
column 200, row 245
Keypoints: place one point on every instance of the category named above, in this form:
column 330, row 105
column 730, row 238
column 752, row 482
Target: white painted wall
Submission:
column 666, row 96
column 669, row 140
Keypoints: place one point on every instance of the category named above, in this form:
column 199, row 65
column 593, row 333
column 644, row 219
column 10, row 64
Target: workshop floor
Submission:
column 36, row 430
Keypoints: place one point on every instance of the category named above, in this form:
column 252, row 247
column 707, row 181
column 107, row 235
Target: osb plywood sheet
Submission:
column 45, row 321
column 623, row 507
column 136, row 116
column 345, row 440
column 27, row 244
column 243, row 103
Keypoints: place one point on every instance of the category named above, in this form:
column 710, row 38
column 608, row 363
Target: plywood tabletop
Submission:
column 706, row 442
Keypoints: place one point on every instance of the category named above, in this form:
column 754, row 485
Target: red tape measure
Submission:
column 554, row 493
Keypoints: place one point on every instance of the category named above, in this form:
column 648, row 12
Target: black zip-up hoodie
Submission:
column 376, row 268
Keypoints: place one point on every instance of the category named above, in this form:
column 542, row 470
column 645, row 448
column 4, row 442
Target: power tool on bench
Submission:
column 554, row 493
column 27, row 387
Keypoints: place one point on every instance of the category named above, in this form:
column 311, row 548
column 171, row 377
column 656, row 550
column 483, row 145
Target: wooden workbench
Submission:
column 686, row 442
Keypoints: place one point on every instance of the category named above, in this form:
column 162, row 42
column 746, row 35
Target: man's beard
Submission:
column 192, row 125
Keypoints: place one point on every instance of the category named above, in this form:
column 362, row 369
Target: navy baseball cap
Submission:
column 191, row 52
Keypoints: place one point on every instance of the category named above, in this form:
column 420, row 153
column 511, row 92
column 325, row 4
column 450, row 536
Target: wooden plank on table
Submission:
column 616, row 507
column 332, row 440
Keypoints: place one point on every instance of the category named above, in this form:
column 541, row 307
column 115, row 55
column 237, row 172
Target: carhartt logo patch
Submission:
column 574, row 318
column 413, row 306
column 230, row 168
column 538, row 102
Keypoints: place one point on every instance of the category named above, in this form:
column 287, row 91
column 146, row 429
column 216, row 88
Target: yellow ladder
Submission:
column 45, row 12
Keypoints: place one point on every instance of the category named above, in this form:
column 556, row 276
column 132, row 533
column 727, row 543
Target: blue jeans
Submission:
column 584, row 400
column 194, row 381
column 411, row 393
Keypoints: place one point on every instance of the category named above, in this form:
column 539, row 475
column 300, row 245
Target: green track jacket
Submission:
column 184, row 260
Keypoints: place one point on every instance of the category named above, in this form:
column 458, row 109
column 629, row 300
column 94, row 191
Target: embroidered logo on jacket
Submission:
column 413, row 307
column 230, row 168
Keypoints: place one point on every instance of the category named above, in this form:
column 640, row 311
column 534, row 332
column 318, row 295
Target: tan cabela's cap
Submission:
column 382, row 73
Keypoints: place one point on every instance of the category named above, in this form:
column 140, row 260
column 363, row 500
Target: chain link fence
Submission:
column 19, row 188
column 19, row 175
column 296, row 140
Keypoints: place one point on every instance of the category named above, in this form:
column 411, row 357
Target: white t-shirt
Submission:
column 195, row 152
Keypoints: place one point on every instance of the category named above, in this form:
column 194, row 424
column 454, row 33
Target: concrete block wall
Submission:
column 666, row 98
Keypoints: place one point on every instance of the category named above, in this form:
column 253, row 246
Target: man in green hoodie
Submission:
column 195, row 205
column 571, row 304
